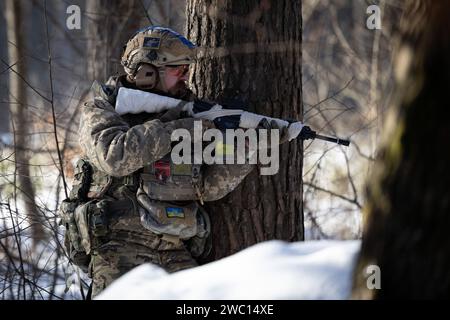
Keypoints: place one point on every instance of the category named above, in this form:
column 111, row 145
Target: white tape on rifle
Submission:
column 251, row 120
column 294, row 130
column 217, row 111
column 137, row 101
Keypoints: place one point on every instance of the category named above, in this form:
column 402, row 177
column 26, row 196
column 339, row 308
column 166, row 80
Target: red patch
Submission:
column 162, row 169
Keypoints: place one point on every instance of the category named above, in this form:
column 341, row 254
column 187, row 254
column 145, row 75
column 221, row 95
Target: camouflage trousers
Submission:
column 128, row 245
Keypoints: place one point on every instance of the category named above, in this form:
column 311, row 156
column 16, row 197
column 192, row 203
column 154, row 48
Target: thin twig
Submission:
column 146, row 12
column 61, row 167
column 334, row 194
column 25, row 81
column 22, row 271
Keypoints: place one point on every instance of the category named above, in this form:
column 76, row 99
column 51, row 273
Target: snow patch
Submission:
column 269, row 270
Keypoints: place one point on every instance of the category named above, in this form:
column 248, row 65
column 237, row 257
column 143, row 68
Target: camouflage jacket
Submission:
column 119, row 146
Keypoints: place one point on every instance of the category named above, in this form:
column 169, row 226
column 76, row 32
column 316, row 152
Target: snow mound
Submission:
column 269, row 270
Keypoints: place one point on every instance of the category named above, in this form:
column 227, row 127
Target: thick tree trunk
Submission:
column 251, row 51
column 408, row 200
column 110, row 26
column 19, row 117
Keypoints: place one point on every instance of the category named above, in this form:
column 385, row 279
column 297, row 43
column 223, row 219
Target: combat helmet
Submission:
column 158, row 46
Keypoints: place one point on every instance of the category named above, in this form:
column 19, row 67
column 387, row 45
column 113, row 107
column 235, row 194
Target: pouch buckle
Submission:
column 99, row 225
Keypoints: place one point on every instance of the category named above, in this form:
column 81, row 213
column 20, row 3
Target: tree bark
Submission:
column 251, row 52
column 110, row 26
column 19, row 117
column 408, row 205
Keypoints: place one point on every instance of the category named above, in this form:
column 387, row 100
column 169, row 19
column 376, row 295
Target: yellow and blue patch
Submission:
column 151, row 42
column 174, row 212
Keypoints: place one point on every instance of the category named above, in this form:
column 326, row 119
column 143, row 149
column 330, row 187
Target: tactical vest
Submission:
column 163, row 193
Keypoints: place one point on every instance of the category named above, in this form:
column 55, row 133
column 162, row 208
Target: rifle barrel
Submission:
column 335, row 140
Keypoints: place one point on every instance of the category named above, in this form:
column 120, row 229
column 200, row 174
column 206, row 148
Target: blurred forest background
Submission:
column 46, row 71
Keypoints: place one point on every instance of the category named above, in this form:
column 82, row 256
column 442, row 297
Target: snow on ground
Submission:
column 269, row 270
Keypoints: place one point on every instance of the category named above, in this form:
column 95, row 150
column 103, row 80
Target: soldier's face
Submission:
column 175, row 78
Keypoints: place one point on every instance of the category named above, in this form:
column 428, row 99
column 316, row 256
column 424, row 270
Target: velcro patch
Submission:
column 174, row 212
column 151, row 42
column 162, row 170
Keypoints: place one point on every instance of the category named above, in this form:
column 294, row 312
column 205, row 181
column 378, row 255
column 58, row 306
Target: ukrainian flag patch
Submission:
column 174, row 212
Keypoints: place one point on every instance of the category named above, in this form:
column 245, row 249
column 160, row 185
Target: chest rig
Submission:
column 167, row 195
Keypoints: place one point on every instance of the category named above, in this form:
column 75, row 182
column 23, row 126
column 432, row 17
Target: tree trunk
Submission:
column 19, row 117
column 408, row 200
column 251, row 52
column 110, row 26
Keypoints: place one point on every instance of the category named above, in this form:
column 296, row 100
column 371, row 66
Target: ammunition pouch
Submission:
column 72, row 218
column 166, row 181
column 82, row 216
column 85, row 223
column 166, row 218
column 72, row 239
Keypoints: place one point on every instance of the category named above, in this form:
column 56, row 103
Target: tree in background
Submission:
column 347, row 76
column 20, row 118
column 112, row 24
column 408, row 207
column 251, row 52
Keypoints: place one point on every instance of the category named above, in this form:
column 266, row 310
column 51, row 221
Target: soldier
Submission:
column 130, row 204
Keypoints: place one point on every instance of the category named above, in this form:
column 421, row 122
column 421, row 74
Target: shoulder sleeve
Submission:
column 116, row 148
column 220, row 180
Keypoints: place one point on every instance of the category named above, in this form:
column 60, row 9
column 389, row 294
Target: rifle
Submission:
column 223, row 116
column 307, row 133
